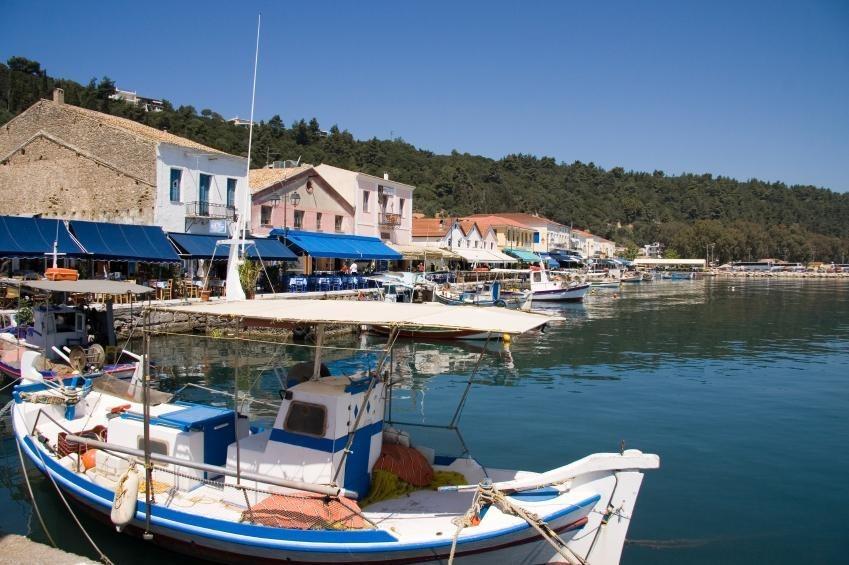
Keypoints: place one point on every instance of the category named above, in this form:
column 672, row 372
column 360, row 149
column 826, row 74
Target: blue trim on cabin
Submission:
column 358, row 386
column 322, row 443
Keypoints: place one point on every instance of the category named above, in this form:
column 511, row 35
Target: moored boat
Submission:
column 71, row 338
column 201, row 480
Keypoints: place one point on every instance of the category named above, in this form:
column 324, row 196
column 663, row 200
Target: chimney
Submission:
column 58, row 95
column 385, row 176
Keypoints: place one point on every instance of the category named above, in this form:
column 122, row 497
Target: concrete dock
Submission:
column 19, row 549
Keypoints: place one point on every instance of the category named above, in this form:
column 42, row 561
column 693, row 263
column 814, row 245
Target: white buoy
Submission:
column 126, row 498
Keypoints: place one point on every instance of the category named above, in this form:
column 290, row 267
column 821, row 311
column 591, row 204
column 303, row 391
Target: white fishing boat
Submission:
column 203, row 481
column 69, row 337
column 543, row 288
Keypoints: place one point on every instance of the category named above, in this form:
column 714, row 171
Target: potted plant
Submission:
column 249, row 272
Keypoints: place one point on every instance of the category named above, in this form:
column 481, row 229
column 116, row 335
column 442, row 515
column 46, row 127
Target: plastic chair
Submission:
column 336, row 283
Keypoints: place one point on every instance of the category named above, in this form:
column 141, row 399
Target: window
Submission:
column 176, row 175
column 231, row 193
column 203, row 195
column 318, row 221
column 299, row 219
column 365, row 201
column 338, row 223
column 306, row 418
column 401, row 203
column 265, row 216
column 156, row 445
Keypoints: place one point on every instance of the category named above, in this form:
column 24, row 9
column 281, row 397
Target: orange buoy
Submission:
column 89, row 459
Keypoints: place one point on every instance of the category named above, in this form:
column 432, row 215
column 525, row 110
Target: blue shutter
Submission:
column 203, row 196
column 231, row 193
column 176, row 175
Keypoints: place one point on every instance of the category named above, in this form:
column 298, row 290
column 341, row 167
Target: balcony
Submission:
column 389, row 220
column 207, row 210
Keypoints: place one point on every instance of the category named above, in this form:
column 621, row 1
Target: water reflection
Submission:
column 739, row 385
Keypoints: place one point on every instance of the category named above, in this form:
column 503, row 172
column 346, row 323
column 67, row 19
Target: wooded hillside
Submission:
column 745, row 220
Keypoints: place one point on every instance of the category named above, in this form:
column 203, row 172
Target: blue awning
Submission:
column 523, row 255
column 200, row 246
column 336, row 246
column 34, row 237
column 124, row 242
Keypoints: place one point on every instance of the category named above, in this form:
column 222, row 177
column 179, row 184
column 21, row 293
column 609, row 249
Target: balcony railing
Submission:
column 387, row 219
column 207, row 210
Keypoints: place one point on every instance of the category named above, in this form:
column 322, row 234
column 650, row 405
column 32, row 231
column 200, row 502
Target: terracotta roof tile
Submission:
column 263, row 178
column 430, row 227
column 135, row 128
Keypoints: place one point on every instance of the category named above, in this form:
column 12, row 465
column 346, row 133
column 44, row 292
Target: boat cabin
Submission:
column 67, row 326
column 308, row 439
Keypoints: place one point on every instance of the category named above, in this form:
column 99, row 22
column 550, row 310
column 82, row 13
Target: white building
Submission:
column 589, row 245
column 198, row 191
column 382, row 207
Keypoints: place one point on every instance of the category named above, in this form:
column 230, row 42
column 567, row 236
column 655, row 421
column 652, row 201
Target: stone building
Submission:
column 62, row 161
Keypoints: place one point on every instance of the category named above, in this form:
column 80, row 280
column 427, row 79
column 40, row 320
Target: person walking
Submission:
column 353, row 268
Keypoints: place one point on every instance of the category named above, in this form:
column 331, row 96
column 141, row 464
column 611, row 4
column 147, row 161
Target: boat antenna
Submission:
column 247, row 199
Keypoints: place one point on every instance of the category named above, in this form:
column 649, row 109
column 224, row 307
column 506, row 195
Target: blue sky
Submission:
column 742, row 89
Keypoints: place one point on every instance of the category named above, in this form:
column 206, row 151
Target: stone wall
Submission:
column 74, row 166
column 54, row 180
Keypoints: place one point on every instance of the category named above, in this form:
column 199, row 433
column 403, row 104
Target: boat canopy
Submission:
column 34, row 237
column 201, row 246
column 351, row 312
column 523, row 255
column 93, row 286
column 413, row 251
column 479, row 255
column 124, row 242
column 336, row 246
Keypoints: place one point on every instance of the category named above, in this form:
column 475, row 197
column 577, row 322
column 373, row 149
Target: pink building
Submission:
column 297, row 198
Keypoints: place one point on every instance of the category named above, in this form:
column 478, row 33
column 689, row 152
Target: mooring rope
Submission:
column 487, row 495
column 102, row 555
column 32, row 496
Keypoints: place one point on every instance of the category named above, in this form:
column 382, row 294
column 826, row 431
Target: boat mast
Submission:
column 247, row 199
column 238, row 237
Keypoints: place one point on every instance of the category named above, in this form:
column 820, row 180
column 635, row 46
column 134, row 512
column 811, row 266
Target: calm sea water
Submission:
column 742, row 387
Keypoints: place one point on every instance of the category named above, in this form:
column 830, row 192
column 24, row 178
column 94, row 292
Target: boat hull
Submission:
column 199, row 537
column 571, row 294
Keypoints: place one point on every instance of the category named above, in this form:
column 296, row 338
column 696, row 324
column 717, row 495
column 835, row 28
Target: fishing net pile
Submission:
column 401, row 470
column 306, row 511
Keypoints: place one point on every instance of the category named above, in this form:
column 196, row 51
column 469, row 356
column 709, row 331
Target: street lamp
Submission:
column 295, row 199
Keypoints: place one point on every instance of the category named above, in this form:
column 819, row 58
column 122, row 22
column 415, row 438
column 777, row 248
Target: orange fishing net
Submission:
column 305, row 511
column 406, row 463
